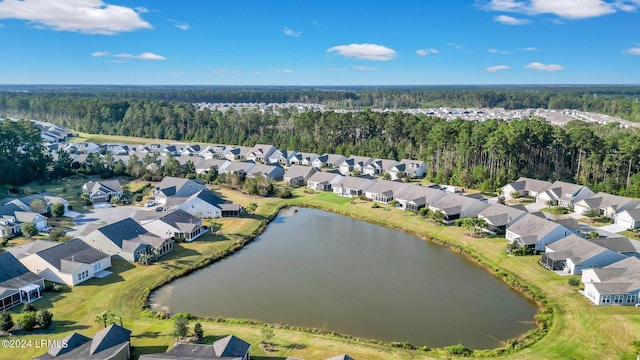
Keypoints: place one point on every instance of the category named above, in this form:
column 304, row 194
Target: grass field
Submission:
column 580, row 330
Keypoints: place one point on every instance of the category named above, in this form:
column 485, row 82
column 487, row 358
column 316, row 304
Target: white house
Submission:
column 205, row 204
column 71, row 263
column 535, row 232
column 323, row 181
column 176, row 224
column 525, row 187
column 175, row 187
column 564, row 194
column 574, row 254
column 455, row 206
column 630, row 219
column 606, row 204
column 261, row 152
column 615, row 284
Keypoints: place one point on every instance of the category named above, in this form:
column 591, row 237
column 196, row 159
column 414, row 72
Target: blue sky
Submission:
column 312, row 42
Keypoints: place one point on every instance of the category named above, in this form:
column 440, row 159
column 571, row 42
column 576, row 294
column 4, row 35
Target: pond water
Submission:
column 317, row 269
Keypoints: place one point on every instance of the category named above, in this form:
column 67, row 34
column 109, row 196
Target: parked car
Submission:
column 159, row 208
column 149, row 203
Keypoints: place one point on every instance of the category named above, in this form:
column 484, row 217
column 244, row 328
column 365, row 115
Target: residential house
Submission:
column 25, row 202
column 71, row 262
column 282, row 157
column 323, row 181
column 408, row 167
column 17, row 284
column 341, row 357
column 170, row 150
column 129, row 240
column 205, row 204
column 297, row 175
column 236, row 167
column 415, row 197
column 615, row 284
column 102, row 191
column 383, row 191
column 524, row 187
column 354, row 163
column 81, row 148
column 352, row 186
column 12, row 217
column 564, row 194
column 261, row 153
column 498, row 217
column 110, row 343
column 228, row 348
column 378, row 166
column 334, row 160
column 191, row 150
column 454, row 206
column 573, row 254
column 305, row 159
column 233, row 154
column 176, row 187
column 535, row 233
column 630, row 219
column 269, row 172
column 204, row 166
column 620, row 244
column 606, row 204
column 176, row 224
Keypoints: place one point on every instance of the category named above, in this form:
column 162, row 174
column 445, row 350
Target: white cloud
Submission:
column 569, row 9
column 181, row 25
column 365, row 51
column 281, row 71
column 292, row 33
column 497, row 68
column 531, row 48
column 455, row 46
column 100, row 53
column 364, row 68
column 496, row 51
column 143, row 56
column 425, row 52
column 84, row 16
column 544, row 67
column 510, row 20
column 632, row 51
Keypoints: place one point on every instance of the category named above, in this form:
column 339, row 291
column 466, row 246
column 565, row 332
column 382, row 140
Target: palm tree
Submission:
column 105, row 317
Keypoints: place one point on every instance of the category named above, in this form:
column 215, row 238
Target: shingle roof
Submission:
column 11, row 268
column 531, row 225
column 296, row 171
column 181, row 220
column 579, row 249
column 125, row 229
column 31, row 248
column 108, row 337
column 69, row 343
column 452, row 204
column 74, row 250
column 231, row 346
column 341, row 357
column 323, row 177
column 603, row 200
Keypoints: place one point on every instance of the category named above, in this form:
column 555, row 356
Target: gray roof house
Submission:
column 341, row 357
column 227, row 348
column 205, row 165
column 630, row 219
column 354, row 163
column 535, row 232
column 410, row 168
column 128, row 239
column 378, row 166
column 329, row 160
column 12, row 217
column 323, row 181
column 352, row 186
column 101, row 191
column 261, row 152
column 415, row 197
column 383, row 191
column 17, row 284
column 297, row 175
column 236, row 167
column 25, row 202
column 573, row 254
column 455, row 206
column 205, row 204
column 525, row 187
column 615, row 284
column 282, row 157
column 564, row 194
column 606, row 204
column 71, row 262
column 176, row 224
column 303, row 158
column 175, row 187
column 110, row 343
column 498, row 217
column 270, row 172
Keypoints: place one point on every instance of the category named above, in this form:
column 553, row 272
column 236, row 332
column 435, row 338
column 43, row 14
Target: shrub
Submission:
column 44, row 318
column 285, row 194
column 197, row 331
column 58, row 234
column 57, row 288
column 183, row 315
column 375, row 205
column 6, row 322
column 27, row 320
column 137, row 197
column 458, row 350
column 573, row 282
column 29, row 229
column 57, row 210
column 27, row 307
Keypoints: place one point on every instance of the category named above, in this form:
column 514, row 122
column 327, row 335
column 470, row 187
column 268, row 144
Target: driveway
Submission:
column 102, row 216
column 614, row 228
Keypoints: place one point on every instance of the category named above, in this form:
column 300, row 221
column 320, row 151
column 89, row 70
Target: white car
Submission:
column 149, row 203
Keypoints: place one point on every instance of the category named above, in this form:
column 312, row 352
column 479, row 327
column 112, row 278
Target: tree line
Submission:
column 471, row 154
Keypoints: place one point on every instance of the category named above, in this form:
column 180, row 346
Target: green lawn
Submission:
column 579, row 330
column 333, row 198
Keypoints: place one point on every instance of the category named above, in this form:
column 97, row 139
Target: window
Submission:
column 631, row 299
column 606, row 299
column 617, row 299
column 79, row 276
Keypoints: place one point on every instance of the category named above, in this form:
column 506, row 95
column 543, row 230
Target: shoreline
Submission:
column 510, row 279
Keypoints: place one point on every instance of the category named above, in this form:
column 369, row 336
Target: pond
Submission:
column 317, row 269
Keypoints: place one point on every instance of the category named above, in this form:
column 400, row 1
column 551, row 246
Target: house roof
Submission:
column 564, row 190
column 411, row 164
column 354, row 182
column 619, row 244
column 237, row 166
column 452, row 204
column 207, row 196
column 67, row 344
column 74, row 250
column 603, row 200
column 324, row 177
column 336, row 159
column 12, row 273
column 499, row 214
column 619, row 277
column 129, row 230
column 269, row 171
column 341, row 357
column 31, row 248
column 105, row 344
column 632, row 214
column 231, row 346
column 27, row 216
column 170, row 185
column 532, row 226
column 9, row 210
column 228, row 348
column 181, row 220
column 418, row 194
column 104, row 186
column 299, row 171
column 108, row 337
column 386, row 187
column 529, row 184
column 578, row 249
